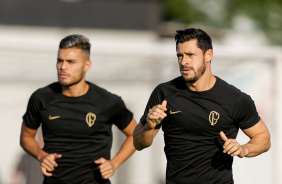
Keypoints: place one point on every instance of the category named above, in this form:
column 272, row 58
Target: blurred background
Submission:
column 133, row 50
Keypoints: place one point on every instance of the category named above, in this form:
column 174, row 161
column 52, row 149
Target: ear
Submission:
column 208, row 55
column 87, row 65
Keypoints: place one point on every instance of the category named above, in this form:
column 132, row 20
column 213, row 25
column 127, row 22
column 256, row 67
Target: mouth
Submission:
column 63, row 75
column 186, row 70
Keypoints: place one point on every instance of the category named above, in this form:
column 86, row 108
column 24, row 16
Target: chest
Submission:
column 197, row 115
column 62, row 117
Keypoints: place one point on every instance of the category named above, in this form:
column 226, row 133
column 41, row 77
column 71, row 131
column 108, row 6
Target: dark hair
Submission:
column 75, row 40
column 204, row 40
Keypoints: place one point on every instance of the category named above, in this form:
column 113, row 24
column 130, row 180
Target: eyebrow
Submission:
column 186, row 53
column 179, row 54
column 59, row 59
column 189, row 53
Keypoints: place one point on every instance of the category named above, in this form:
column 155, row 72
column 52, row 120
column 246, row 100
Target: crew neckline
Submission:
column 206, row 91
column 78, row 97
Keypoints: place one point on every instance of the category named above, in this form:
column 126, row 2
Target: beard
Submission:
column 72, row 81
column 197, row 74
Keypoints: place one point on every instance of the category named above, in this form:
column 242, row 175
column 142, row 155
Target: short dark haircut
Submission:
column 75, row 40
column 203, row 39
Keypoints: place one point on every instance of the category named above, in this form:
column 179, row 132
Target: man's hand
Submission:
column 232, row 147
column 156, row 115
column 106, row 167
column 48, row 163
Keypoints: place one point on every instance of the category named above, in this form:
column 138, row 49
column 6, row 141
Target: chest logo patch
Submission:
column 53, row 117
column 175, row 112
column 213, row 118
column 90, row 119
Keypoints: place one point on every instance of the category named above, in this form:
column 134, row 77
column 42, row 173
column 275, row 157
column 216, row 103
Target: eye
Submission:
column 179, row 56
column 71, row 61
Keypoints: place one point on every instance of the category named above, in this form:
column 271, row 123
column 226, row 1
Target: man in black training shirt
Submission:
column 200, row 115
column 77, row 118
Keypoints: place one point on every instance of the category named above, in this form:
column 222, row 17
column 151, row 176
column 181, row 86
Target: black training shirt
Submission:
column 79, row 128
column 193, row 146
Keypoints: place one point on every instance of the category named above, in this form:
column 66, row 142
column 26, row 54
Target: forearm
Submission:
column 258, row 144
column 32, row 147
column 126, row 150
column 28, row 143
column 143, row 136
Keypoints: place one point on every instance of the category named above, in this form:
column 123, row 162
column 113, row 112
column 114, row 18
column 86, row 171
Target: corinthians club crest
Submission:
column 90, row 119
column 214, row 116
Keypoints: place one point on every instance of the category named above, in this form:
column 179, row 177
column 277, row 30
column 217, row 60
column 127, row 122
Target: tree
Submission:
column 267, row 15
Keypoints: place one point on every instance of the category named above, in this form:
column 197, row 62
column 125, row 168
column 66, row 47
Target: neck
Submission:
column 75, row 90
column 204, row 83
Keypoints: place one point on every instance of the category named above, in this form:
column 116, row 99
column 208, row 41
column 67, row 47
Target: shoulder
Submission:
column 240, row 106
column 176, row 83
column 232, row 98
column 226, row 90
column 42, row 96
column 102, row 93
column 172, row 86
column 165, row 90
column 94, row 88
column 51, row 89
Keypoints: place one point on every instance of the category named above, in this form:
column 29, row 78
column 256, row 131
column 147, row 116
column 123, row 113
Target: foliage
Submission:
column 267, row 15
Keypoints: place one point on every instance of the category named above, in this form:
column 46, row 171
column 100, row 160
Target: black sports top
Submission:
column 79, row 128
column 193, row 146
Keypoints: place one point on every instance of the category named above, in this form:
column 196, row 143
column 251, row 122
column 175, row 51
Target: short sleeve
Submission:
column 155, row 99
column 32, row 118
column 121, row 115
column 246, row 114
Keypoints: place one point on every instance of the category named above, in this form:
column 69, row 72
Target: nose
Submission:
column 62, row 65
column 184, row 61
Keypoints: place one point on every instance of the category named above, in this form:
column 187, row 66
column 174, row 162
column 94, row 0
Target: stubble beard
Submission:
column 197, row 74
column 72, row 82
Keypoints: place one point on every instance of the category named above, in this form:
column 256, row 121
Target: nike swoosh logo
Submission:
column 53, row 117
column 174, row 112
